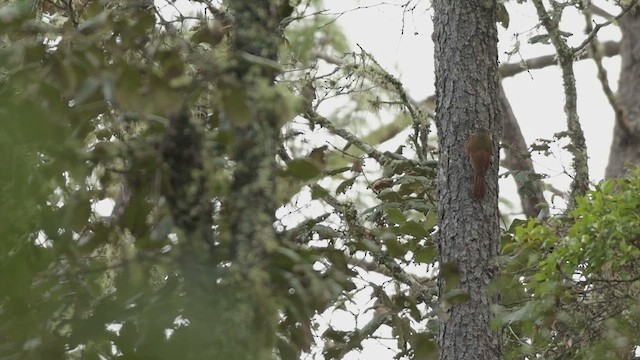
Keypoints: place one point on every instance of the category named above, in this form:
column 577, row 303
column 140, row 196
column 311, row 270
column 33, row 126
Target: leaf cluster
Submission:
column 571, row 286
column 116, row 163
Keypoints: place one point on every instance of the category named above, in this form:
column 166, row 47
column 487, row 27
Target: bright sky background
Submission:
column 536, row 97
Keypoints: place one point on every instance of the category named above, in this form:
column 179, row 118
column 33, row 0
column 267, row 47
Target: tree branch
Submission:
column 596, row 10
column 423, row 294
column 609, row 49
column 518, row 160
column 580, row 183
column 379, row 156
column 594, row 30
column 595, row 51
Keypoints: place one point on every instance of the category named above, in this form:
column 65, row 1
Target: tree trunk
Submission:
column 625, row 147
column 468, row 99
column 247, row 227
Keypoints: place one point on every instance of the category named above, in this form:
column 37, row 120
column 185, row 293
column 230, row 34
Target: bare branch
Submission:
column 597, row 28
column 381, row 157
column 580, row 183
column 609, row 48
column 397, row 272
column 517, row 160
column 596, row 10
column 595, row 51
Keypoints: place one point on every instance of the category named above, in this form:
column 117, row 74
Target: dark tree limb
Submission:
column 609, row 49
column 517, row 159
column 626, row 134
column 595, row 51
column 593, row 30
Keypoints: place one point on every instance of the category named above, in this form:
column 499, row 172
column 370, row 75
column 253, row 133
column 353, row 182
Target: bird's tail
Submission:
column 478, row 187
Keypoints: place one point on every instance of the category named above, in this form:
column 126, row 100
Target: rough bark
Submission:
column 625, row 147
column 249, row 211
column 252, row 205
column 468, row 98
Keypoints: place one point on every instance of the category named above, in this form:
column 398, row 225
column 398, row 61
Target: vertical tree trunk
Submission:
column 249, row 309
column 625, row 147
column 252, row 205
column 468, row 99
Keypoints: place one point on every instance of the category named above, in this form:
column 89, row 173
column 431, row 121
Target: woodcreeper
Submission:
column 479, row 148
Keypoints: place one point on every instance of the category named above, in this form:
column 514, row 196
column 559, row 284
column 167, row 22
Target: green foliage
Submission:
column 119, row 131
column 571, row 286
column 89, row 103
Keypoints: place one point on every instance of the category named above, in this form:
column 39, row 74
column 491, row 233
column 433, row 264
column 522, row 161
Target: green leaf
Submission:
column 129, row 87
column 503, row 15
column 542, row 39
column 94, row 23
column 303, row 169
column 450, row 273
column 424, row 346
column 324, row 232
column 394, row 248
column 236, row 105
column 430, row 221
column 425, row 255
column 342, row 188
column 528, row 311
column 395, row 216
column 414, row 229
column 88, row 88
column 318, row 192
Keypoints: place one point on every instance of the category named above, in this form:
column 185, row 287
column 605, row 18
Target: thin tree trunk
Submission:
column 468, row 98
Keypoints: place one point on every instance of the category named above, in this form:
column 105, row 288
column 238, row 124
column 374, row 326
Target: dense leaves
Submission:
column 120, row 148
column 573, row 282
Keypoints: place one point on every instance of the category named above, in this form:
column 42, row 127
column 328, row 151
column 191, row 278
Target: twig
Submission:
column 381, row 157
column 597, row 28
column 580, row 183
column 609, row 48
column 596, row 53
column 596, row 10
column 396, row 271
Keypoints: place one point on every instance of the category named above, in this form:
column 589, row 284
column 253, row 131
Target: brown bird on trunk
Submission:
column 479, row 148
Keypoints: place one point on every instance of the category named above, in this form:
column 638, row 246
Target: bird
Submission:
column 479, row 148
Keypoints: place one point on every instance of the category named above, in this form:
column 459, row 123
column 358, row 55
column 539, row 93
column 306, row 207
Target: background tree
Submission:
column 624, row 148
